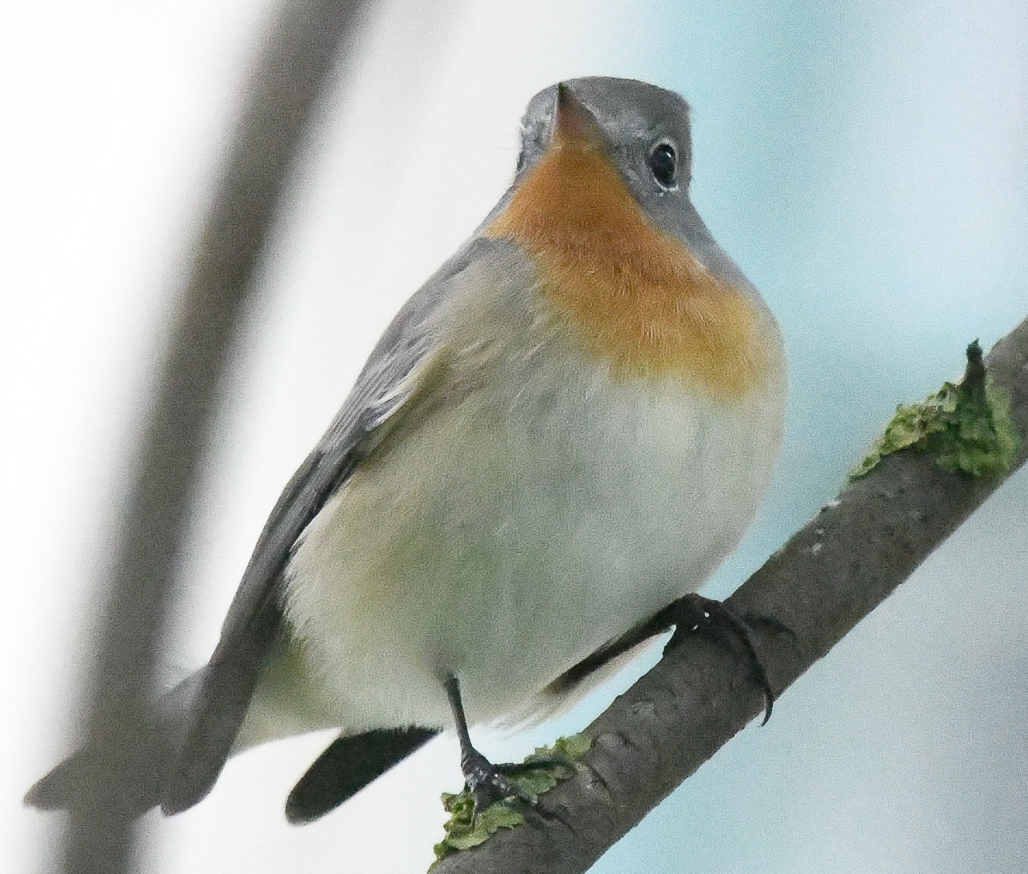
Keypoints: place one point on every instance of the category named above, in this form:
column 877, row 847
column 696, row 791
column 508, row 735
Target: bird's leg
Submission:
column 484, row 780
column 689, row 613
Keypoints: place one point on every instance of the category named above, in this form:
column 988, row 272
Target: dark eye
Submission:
column 663, row 163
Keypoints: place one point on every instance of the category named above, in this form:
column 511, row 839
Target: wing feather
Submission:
column 393, row 375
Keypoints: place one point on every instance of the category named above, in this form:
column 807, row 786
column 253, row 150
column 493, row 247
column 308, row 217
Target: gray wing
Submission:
column 255, row 618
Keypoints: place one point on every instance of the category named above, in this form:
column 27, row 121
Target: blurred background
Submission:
column 865, row 163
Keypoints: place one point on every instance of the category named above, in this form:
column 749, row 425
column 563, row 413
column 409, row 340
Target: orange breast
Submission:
column 637, row 296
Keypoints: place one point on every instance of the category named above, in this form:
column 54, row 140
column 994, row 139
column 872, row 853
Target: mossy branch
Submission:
column 829, row 575
column 964, row 427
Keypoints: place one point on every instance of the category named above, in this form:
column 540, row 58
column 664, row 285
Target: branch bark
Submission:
column 829, row 575
column 300, row 51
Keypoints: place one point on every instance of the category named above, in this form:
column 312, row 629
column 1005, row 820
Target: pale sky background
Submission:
column 865, row 163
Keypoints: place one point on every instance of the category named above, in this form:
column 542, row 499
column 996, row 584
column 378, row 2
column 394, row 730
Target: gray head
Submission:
column 645, row 129
column 645, row 132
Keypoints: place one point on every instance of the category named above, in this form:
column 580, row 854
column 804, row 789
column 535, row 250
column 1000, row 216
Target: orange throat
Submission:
column 637, row 297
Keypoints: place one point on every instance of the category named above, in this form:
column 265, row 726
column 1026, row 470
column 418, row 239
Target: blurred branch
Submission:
column 829, row 575
column 300, row 51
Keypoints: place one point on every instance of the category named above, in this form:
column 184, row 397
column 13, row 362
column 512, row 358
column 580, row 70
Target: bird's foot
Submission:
column 693, row 613
column 488, row 783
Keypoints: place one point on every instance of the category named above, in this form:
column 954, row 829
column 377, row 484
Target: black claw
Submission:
column 696, row 613
column 688, row 614
column 483, row 781
column 487, row 782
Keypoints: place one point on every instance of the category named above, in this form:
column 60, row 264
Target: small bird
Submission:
column 562, row 433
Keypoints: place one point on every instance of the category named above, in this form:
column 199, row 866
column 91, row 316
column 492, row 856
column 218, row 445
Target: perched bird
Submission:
column 564, row 431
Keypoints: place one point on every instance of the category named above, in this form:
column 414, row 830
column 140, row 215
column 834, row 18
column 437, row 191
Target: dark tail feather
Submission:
column 126, row 780
column 347, row 766
column 125, row 774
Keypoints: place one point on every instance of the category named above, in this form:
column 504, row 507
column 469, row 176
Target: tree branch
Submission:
column 297, row 57
column 830, row 574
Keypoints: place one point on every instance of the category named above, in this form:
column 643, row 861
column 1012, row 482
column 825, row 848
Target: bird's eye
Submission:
column 663, row 163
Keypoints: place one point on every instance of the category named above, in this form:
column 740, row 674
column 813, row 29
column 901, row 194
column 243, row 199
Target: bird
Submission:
column 560, row 436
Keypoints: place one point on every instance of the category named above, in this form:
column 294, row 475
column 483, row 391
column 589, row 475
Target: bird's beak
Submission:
column 573, row 124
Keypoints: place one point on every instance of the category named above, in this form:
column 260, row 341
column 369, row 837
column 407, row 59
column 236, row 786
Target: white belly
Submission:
column 514, row 531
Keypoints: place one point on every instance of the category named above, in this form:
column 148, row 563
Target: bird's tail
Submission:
column 123, row 771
